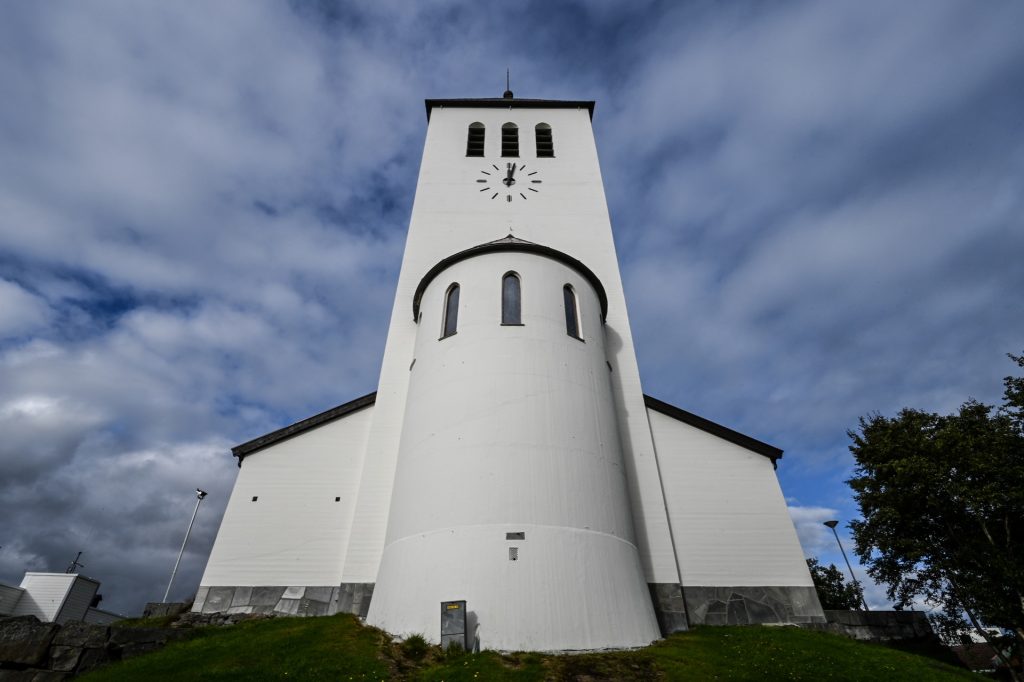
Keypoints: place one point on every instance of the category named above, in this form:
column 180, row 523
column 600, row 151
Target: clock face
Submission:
column 514, row 182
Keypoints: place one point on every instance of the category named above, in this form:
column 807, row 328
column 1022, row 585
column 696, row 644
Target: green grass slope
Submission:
column 340, row 648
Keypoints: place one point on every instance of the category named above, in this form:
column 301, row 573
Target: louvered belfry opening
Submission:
column 545, row 143
column 510, row 140
column 475, row 141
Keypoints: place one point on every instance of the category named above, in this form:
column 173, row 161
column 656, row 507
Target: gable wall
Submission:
column 729, row 519
column 44, row 595
column 295, row 533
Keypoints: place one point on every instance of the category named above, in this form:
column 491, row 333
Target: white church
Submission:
column 509, row 458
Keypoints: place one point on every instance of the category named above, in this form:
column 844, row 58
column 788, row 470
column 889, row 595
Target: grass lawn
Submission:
column 340, row 648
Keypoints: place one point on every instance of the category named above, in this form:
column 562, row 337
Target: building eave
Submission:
column 249, row 447
column 509, row 103
column 715, row 429
column 510, row 243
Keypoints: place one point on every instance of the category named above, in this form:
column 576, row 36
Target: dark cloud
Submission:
column 817, row 209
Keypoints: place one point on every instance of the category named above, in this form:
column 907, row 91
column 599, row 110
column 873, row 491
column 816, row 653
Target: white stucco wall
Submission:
column 513, row 428
column 295, row 533
column 451, row 214
column 729, row 517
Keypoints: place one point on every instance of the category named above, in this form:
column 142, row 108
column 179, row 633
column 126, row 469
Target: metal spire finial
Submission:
column 508, row 88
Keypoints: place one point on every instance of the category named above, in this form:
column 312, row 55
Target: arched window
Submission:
column 545, row 143
column 572, row 313
column 451, row 311
column 511, row 299
column 510, row 140
column 475, row 141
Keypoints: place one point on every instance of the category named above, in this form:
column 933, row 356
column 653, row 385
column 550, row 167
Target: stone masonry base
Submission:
column 878, row 626
column 669, row 607
column 301, row 600
column 676, row 609
column 750, row 605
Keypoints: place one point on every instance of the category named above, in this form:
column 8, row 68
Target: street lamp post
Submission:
column 200, row 494
column 860, row 592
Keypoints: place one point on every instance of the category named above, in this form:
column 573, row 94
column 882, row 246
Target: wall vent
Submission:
column 513, row 554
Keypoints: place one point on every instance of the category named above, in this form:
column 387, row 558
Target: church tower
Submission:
column 509, row 457
column 509, row 361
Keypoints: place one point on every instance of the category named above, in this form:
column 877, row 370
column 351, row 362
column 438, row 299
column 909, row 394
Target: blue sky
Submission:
column 817, row 208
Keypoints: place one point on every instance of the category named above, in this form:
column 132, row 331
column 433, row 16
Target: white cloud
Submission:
column 21, row 312
column 815, row 538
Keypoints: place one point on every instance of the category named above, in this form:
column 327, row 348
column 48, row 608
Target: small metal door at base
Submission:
column 453, row 624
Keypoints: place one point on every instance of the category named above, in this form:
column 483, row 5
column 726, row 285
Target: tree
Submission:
column 834, row 592
column 942, row 501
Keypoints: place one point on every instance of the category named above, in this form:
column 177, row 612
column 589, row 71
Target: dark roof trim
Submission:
column 714, row 429
column 240, row 451
column 511, row 103
column 510, row 243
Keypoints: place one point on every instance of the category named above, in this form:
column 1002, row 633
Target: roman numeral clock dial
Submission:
column 512, row 182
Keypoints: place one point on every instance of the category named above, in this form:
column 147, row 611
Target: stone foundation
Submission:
column 675, row 608
column 155, row 609
column 299, row 600
column 878, row 626
column 355, row 598
column 669, row 607
column 752, row 605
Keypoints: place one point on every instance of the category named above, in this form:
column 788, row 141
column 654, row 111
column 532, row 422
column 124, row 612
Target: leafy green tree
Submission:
column 942, row 501
column 834, row 592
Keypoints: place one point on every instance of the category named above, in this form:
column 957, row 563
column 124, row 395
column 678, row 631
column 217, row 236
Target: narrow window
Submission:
column 510, row 140
column 510, row 299
column 545, row 144
column 572, row 317
column 475, row 142
column 451, row 311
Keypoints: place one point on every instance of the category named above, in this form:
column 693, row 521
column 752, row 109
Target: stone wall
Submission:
column 286, row 600
column 34, row 651
column 877, row 626
column 752, row 605
column 669, row 607
column 158, row 609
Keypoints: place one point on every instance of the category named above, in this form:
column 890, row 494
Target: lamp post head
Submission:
column 832, row 524
column 200, row 493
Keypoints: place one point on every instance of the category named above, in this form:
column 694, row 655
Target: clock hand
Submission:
column 509, row 179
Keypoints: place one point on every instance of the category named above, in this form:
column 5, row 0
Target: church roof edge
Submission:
column 696, row 421
column 510, row 243
column 249, row 447
column 715, row 429
column 510, row 103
